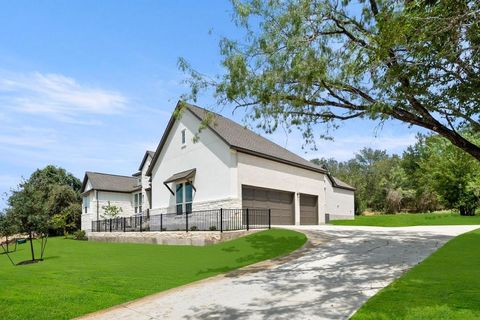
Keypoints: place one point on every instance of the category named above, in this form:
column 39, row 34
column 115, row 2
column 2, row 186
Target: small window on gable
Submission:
column 183, row 137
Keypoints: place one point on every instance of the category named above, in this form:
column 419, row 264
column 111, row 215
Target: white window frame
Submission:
column 184, row 202
column 138, row 202
column 86, row 203
column 184, row 137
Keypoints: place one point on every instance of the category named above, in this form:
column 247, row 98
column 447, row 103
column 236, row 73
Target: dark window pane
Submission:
column 179, row 209
column 188, row 207
column 188, row 192
column 179, row 193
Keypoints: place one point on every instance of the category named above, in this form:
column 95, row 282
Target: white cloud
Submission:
column 26, row 136
column 57, row 96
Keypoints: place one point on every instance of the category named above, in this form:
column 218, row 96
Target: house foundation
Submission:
column 195, row 238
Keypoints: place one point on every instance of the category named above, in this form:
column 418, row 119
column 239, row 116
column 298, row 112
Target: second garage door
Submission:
column 280, row 202
column 308, row 210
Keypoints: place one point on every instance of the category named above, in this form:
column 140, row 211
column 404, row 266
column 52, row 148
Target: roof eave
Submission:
column 269, row 157
column 162, row 142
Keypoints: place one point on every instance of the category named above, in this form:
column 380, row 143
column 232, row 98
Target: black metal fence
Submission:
column 207, row 220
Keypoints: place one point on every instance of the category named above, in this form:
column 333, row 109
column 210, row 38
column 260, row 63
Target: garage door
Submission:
column 280, row 202
column 308, row 209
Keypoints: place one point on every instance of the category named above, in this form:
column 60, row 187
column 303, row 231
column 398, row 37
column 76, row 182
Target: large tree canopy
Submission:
column 305, row 62
column 430, row 175
column 52, row 191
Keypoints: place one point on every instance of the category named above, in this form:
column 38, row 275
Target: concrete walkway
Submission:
column 330, row 280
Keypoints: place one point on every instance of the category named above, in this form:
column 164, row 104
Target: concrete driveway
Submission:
column 330, row 279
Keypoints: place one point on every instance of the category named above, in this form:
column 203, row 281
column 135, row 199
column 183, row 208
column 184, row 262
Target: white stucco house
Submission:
column 224, row 165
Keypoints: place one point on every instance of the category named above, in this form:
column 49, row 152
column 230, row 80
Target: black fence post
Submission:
column 93, row 223
column 161, row 222
column 186, row 221
column 221, row 219
column 269, row 218
column 248, row 221
column 110, row 225
column 124, row 224
column 140, row 223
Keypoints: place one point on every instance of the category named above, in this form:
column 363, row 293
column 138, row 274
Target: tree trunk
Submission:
column 31, row 246
column 6, row 238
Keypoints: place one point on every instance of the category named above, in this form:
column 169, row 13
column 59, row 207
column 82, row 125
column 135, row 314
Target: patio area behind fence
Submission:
column 208, row 220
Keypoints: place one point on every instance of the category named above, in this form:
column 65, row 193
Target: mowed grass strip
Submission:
column 444, row 286
column 410, row 219
column 78, row 277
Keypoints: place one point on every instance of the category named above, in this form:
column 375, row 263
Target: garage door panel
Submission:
column 308, row 209
column 280, row 203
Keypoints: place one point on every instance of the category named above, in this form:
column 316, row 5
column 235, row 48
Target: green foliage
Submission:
column 444, row 286
column 80, row 235
column 451, row 173
column 430, row 175
column 69, row 219
column 47, row 199
column 53, row 192
column 52, row 290
column 110, row 211
column 8, row 227
column 377, row 177
column 303, row 63
column 60, row 198
column 7, row 224
column 410, row 219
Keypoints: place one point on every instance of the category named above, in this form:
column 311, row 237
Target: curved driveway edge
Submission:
column 330, row 279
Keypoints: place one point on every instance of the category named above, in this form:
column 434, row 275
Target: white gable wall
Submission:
column 145, row 182
column 340, row 202
column 215, row 178
column 98, row 199
column 260, row 172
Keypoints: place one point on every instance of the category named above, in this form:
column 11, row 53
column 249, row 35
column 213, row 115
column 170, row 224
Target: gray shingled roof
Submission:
column 243, row 139
column 337, row 183
column 147, row 153
column 181, row 175
column 110, row 182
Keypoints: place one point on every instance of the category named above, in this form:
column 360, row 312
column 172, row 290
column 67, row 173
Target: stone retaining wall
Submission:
column 197, row 238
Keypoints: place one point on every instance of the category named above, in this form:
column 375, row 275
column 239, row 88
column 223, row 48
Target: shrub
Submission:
column 393, row 201
column 79, row 235
column 213, row 228
column 193, row 228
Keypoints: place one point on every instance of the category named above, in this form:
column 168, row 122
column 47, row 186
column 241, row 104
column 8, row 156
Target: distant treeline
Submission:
column 430, row 175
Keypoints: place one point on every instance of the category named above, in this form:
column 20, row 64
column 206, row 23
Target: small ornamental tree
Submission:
column 7, row 227
column 110, row 211
column 29, row 214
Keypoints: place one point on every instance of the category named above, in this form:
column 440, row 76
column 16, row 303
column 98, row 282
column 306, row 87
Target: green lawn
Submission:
column 409, row 219
column 79, row 277
column 444, row 286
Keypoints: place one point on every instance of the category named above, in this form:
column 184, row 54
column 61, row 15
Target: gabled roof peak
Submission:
column 239, row 138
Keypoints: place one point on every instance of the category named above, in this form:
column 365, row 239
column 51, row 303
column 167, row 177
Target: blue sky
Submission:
column 89, row 85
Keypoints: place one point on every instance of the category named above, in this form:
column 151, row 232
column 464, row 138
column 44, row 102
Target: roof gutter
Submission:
column 269, row 157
